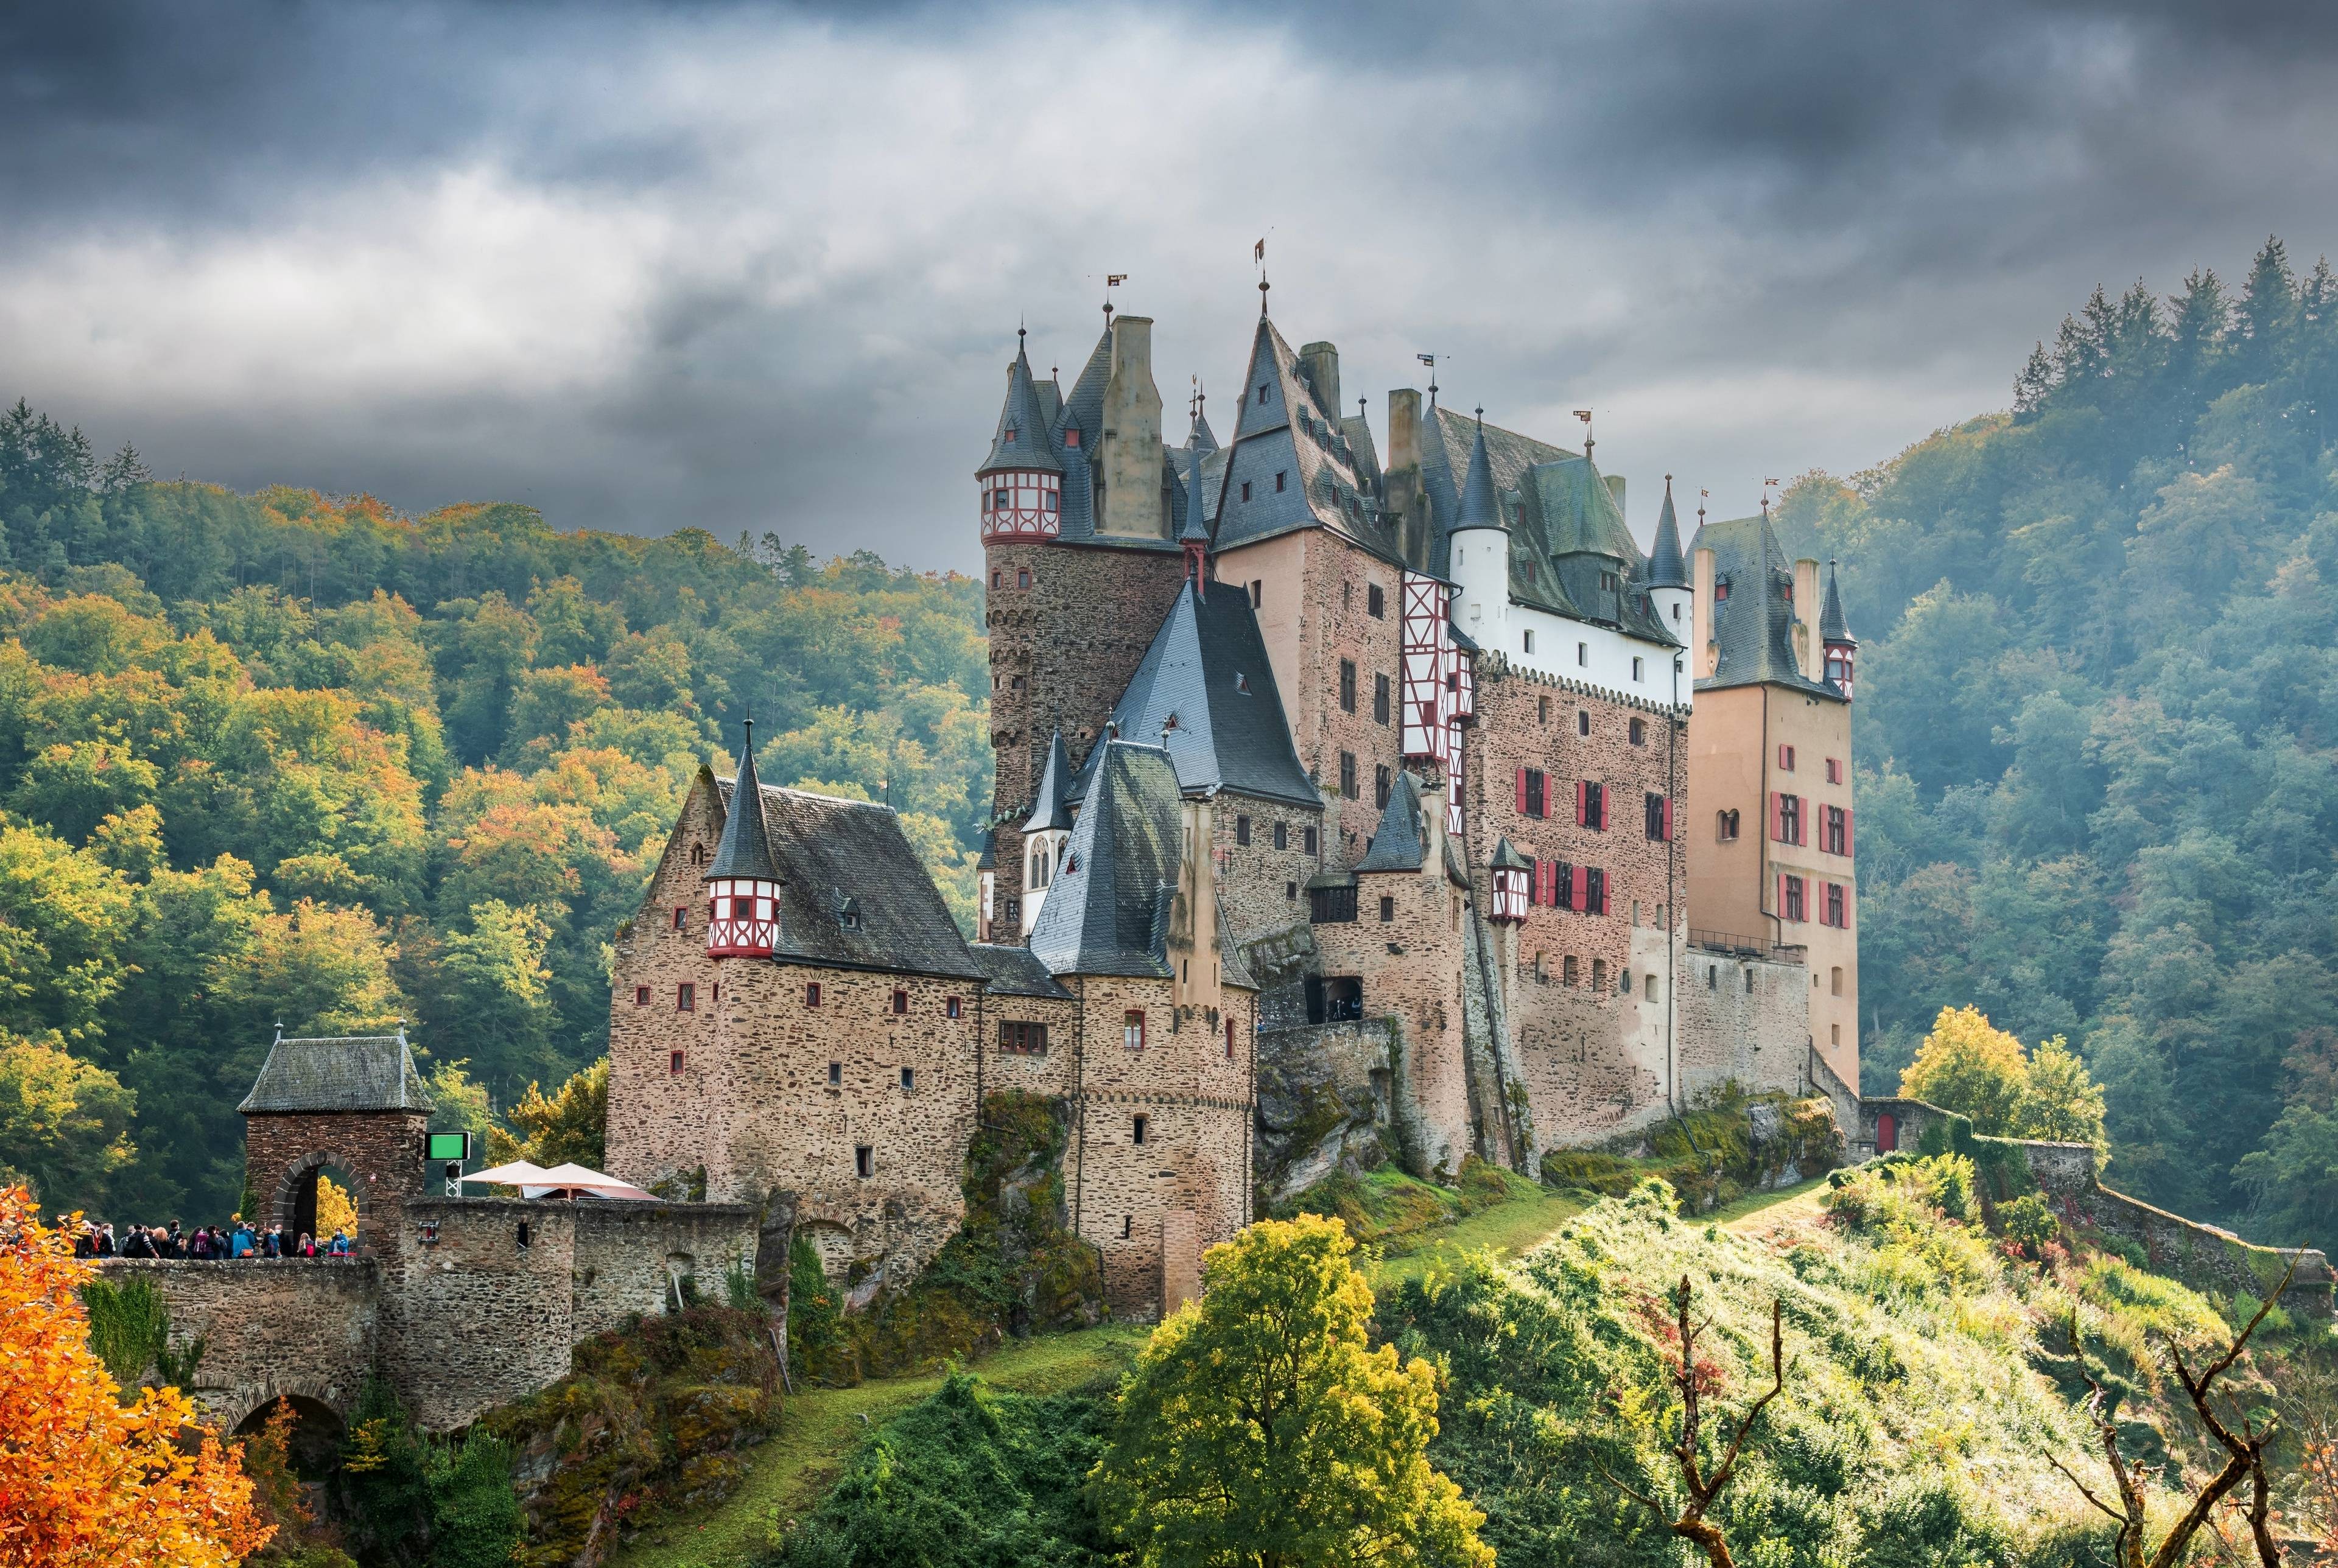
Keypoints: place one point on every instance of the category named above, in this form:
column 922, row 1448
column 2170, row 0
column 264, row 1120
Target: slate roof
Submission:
column 1022, row 439
column 1565, row 529
column 1207, row 669
column 1050, row 810
column 1016, row 972
column 988, row 860
column 745, row 849
column 1398, row 843
column 1109, row 908
column 1107, row 911
column 1666, row 569
column 1291, row 434
column 338, row 1073
column 1753, row 629
column 1506, row 859
column 1192, row 504
column 832, row 853
column 1833, row 627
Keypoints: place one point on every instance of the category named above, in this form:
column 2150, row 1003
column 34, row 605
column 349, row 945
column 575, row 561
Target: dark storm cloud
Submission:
column 753, row 268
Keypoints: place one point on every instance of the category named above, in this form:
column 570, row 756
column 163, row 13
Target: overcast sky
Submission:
column 761, row 269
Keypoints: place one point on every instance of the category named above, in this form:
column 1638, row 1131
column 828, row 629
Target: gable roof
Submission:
column 1508, row 859
column 1049, row 808
column 338, row 1073
column 1290, row 436
column 834, row 854
column 745, row 848
column 1753, row 629
column 1107, row 912
column 1398, row 843
column 1016, row 972
column 1207, row 670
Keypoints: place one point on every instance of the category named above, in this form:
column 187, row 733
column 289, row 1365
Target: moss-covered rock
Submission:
column 1731, row 1144
column 651, row 1418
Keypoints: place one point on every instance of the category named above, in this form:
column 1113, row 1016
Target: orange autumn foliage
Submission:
column 83, row 1478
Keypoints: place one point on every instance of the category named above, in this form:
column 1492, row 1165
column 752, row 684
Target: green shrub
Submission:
column 2028, row 1224
column 475, row 1520
column 129, row 1327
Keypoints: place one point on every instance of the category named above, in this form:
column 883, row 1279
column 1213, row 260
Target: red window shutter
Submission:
column 1846, row 830
column 1582, row 802
column 1582, row 888
column 1802, row 819
column 1668, row 818
column 1777, row 817
column 1782, row 894
column 1522, row 791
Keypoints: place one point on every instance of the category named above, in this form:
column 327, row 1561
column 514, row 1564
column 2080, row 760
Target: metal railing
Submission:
column 1730, row 941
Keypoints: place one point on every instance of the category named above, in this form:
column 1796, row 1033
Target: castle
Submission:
column 1408, row 786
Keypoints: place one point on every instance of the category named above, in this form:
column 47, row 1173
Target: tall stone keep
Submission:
column 351, row 1105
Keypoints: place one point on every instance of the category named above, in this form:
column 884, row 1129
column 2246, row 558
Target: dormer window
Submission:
column 1071, row 434
column 1721, row 592
column 848, row 913
column 1241, row 682
column 1010, row 432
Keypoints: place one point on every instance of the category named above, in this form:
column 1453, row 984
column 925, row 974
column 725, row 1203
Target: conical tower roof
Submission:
column 1050, row 812
column 1480, row 508
column 1022, row 440
column 1399, row 844
column 1665, row 567
column 1193, row 531
column 745, row 851
column 1833, row 627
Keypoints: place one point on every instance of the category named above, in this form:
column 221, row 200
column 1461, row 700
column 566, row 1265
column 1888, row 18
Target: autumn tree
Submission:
column 569, row 1126
column 85, row 1479
column 1261, row 1426
column 1968, row 1065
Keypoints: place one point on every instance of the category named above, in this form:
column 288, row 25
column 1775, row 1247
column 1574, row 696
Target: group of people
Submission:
column 204, row 1243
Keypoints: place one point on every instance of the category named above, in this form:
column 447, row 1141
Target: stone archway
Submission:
column 321, row 1424
column 295, row 1204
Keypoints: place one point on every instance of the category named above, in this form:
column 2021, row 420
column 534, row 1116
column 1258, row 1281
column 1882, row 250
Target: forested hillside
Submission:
column 2098, row 701
column 284, row 757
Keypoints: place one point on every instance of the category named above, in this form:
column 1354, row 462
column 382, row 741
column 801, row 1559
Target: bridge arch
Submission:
column 320, row 1413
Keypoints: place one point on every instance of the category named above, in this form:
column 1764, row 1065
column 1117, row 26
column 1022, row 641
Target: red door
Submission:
column 1886, row 1133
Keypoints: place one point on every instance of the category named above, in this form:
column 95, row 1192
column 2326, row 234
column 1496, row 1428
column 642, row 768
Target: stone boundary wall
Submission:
column 2206, row 1258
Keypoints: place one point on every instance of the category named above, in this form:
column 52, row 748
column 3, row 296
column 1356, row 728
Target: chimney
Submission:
column 1702, row 656
column 1807, row 652
column 1402, row 481
column 1319, row 363
column 1129, row 461
column 1616, row 489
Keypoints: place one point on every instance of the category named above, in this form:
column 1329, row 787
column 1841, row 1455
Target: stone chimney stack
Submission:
column 1319, row 363
column 1807, row 652
column 1408, row 507
column 1130, row 455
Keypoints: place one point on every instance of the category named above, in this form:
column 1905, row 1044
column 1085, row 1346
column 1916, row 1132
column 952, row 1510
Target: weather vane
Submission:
column 1111, row 280
column 1584, row 415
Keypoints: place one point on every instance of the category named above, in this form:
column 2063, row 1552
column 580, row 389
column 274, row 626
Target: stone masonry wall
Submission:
column 1744, row 1019
column 472, row 1317
column 627, row 1252
column 661, row 1123
column 1591, row 1033
column 288, row 1327
column 1263, row 889
column 380, row 1150
column 1338, row 625
column 1062, row 652
column 1055, row 1074
column 1196, row 1154
column 797, row 1090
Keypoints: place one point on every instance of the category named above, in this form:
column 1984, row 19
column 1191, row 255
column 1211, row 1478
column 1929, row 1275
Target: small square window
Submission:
column 1639, row 731
column 1542, row 709
column 1257, row 585
column 1387, row 908
column 836, row 1072
column 681, row 917
column 1309, row 841
column 1281, row 475
column 900, row 1001
column 864, row 1161
column 1638, row 665
column 1137, row 1127
column 1245, row 489
column 1022, row 577
column 952, row 1007
column 909, row 1080
column 1529, row 636
column 812, row 994
column 686, row 998
column 674, row 1062
column 1583, row 653
column 1127, row 1226
column 1132, row 1029
column 1291, row 891
column 641, row 995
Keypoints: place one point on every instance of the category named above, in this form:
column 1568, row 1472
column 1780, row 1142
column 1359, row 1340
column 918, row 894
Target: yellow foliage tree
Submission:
column 1968, row 1065
column 1261, row 1427
column 335, row 1211
column 86, row 1480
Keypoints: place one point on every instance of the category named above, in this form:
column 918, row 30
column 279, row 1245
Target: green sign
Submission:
column 437, row 1146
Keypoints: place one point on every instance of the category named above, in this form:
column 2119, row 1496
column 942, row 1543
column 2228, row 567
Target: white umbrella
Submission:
column 576, row 1181
column 518, row 1173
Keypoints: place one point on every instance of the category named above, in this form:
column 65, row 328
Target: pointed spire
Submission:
column 1048, row 811
column 745, row 852
column 1022, row 440
column 1201, row 438
column 1479, row 508
column 1833, row 627
column 1665, row 569
column 1195, row 537
column 1400, row 842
